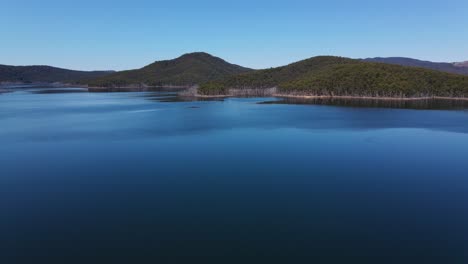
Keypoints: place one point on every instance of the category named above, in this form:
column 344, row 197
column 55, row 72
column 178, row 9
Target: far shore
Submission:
column 371, row 98
column 339, row 97
column 191, row 91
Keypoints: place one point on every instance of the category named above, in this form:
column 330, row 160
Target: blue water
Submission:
column 148, row 178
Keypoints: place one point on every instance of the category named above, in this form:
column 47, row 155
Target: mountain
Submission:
column 187, row 70
column 461, row 64
column 45, row 74
column 457, row 67
column 336, row 76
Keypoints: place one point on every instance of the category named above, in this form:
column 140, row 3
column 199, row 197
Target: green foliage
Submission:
column 187, row 70
column 214, row 88
column 379, row 80
column 457, row 68
column 45, row 74
column 334, row 76
column 272, row 77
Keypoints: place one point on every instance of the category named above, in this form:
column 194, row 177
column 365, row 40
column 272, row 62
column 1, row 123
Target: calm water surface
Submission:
column 150, row 178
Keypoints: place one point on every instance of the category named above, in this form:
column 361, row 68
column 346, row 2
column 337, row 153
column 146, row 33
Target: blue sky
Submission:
column 130, row 34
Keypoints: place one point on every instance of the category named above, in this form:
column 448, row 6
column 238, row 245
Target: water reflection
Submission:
column 176, row 99
column 135, row 89
column 423, row 104
column 170, row 95
column 4, row 90
column 125, row 175
column 60, row 91
column 163, row 113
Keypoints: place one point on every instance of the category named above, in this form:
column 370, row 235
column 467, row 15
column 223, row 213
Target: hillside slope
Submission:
column 187, row 70
column 45, row 74
column 457, row 68
column 336, row 76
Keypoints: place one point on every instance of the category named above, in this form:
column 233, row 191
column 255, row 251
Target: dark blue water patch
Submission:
column 118, row 178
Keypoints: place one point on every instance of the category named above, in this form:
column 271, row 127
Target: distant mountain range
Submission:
column 187, row 70
column 461, row 64
column 45, row 74
column 318, row 76
column 456, row 67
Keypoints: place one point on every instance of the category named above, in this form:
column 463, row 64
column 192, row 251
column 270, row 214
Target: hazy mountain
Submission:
column 187, row 70
column 461, row 64
column 457, row 68
column 45, row 74
column 336, row 76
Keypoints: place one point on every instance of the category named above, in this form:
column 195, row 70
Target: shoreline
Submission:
column 273, row 92
column 4, row 89
column 371, row 97
column 342, row 97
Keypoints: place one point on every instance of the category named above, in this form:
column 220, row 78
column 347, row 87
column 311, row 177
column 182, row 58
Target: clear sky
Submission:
column 85, row 34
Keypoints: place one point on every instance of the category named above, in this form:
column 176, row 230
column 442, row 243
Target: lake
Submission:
column 153, row 178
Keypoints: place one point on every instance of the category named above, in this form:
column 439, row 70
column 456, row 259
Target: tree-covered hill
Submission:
column 336, row 76
column 187, row 70
column 45, row 74
column 457, row 67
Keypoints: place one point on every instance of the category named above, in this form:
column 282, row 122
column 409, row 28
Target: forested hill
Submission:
column 336, row 76
column 45, row 74
column 187, row 70
column 457, row 68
